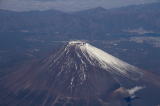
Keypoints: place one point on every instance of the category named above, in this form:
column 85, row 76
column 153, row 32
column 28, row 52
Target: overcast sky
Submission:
column 66, row 5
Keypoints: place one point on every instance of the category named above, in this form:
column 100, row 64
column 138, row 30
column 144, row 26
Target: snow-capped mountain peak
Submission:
column 77, row 73
column 100, row 58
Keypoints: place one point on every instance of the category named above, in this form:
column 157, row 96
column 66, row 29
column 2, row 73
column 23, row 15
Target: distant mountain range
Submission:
column 92, row 23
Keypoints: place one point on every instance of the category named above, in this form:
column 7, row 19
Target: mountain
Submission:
column 120, row 20
column 78, row 74
column 92, row 24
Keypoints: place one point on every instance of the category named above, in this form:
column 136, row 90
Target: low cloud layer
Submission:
column 65, row 5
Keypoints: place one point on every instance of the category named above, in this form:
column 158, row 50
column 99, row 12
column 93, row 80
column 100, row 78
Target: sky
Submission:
column 66, row 5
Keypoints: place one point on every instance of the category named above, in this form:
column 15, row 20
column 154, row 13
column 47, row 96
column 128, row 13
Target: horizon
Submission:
column 67, row 6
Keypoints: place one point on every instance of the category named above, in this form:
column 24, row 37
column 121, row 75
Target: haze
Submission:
column 66, row 5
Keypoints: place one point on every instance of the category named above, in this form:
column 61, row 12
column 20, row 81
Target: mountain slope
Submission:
column 78, row 73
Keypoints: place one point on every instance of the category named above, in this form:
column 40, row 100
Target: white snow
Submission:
column 78, row 42
column 105, row 60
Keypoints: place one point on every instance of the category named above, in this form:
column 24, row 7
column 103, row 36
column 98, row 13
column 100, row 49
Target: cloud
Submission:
column 132, row 91
column 65, row 5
